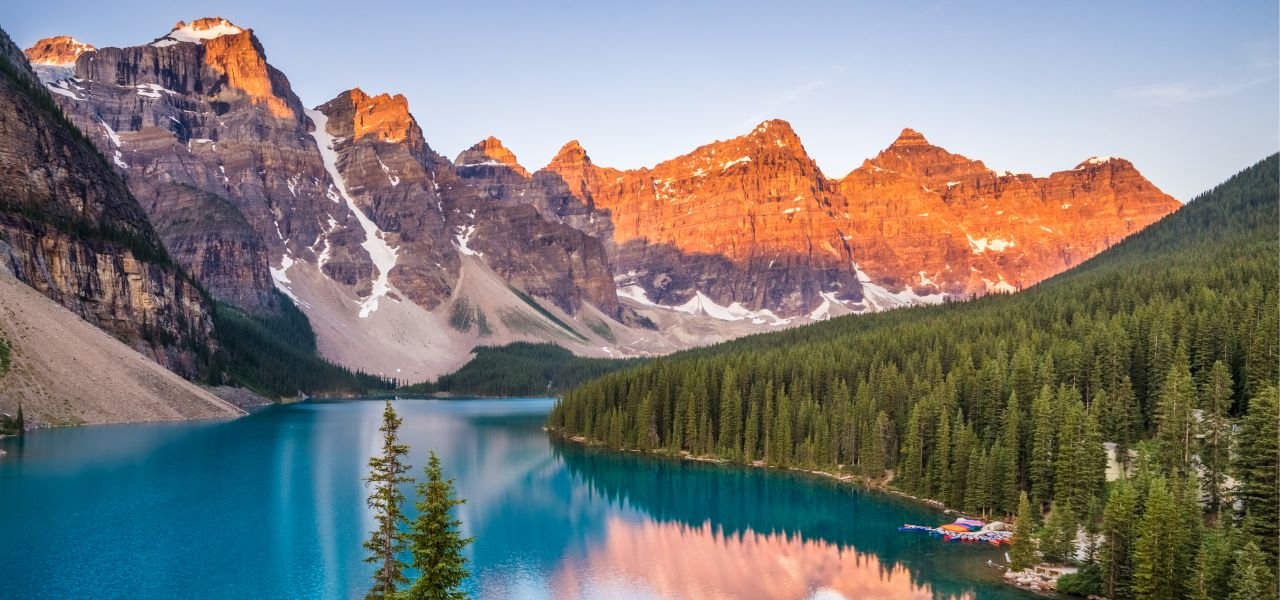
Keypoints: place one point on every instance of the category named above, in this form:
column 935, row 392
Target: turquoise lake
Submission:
column 272, row 506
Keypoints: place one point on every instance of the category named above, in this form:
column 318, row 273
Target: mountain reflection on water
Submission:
column 272, row 506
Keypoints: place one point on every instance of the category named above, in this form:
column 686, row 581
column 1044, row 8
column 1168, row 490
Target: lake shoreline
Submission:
column 843, row 478
column 853, row 480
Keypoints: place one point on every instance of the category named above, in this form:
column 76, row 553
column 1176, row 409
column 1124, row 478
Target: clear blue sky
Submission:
column 1186, row 90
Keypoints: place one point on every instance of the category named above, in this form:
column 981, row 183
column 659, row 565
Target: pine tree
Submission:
column 646, row 426
column 1022, row 548
column 730, row 416
column 1215, row 402
column 1175, row 424
column 1155, row 557
column 1252, row 577
column 938, row 484
column 1091, row 465
column 20, row 421
column 1011, row 440
column 1041, row 475
column 1068, row 473
column 678, row 420
column 1092, row 529
column 692, row 419
column 974, row 491
column 1212, row 573
column 1257, row 467
column 782, row 447
column 387, row 541
column 1119, row 535
column 1186, row 536
column 1127, row 422
column 751, row 438
column 1260, row 349
column 1058, row 537
column 872, row 459
column 435, row 540
column 912, row 465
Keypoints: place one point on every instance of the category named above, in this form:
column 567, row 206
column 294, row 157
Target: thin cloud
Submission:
column 1183, row 93
column 788, row 96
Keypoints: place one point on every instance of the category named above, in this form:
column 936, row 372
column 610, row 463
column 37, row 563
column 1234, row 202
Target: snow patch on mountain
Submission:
column 981, row 245
column 464, row 237
column 701, row 304
column 823, row 312
column 385, row 169
column 1002, row 286
column 118, row 158
column 280, row 278
column 197, row 32
column 381, row 254
column 64, row 87
column 878, row 298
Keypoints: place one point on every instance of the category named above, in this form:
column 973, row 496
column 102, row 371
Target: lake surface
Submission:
column 272, row 506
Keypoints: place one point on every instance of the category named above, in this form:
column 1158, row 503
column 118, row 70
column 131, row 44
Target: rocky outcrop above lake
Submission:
column 70, row 228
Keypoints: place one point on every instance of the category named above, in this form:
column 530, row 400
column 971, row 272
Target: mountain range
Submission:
column 404, row 260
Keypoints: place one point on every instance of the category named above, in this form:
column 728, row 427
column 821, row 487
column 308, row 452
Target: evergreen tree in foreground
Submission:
column 1257, row 467
column 1119, row 536
column 436, row 542
column 387, row 542
column 1253, row 578
column 1156, row 575
column 1022, row 551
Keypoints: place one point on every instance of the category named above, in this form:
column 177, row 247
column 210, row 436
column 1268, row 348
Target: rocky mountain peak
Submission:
column 910, row 137
column 570, row 154
column 384, row 117
column 59, row 51
column 1101, row 162
column 358, row 115
column 234, row 54
column 773, row 130
column 912, row 153
column 198, row 31
column 490, row 151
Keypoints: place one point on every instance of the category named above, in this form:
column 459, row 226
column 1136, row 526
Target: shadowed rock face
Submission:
column 417, row 197
column 200, row 109
column 391, row 174
column 70, row 229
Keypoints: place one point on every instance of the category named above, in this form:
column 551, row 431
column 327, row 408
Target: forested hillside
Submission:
column 521, row 369
column 1165, row 344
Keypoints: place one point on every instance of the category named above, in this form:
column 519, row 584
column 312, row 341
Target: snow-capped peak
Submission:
column 58, row 51
column 198, row 31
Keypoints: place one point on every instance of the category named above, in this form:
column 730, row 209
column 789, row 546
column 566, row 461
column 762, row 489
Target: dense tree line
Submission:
column 1165, row 345
column 521, row 369
column 275, row 355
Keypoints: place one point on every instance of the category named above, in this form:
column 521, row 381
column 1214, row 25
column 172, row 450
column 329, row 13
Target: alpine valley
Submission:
column 404, row 261
column 392, row 372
